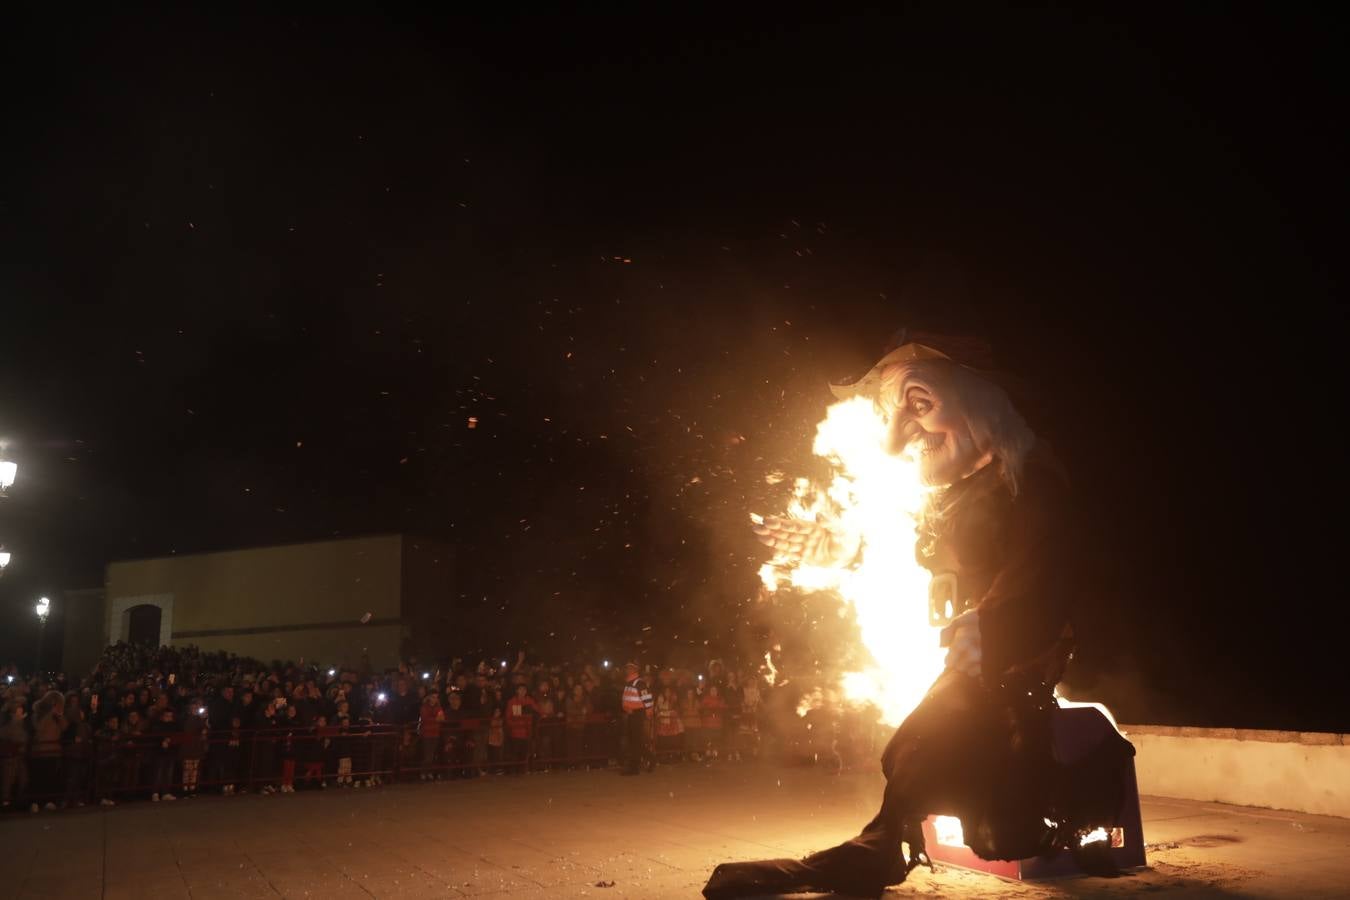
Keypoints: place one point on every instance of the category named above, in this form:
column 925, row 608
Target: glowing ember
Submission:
column 772, row 676
column 873, row 498
column 947, row 830
column 1093, row 837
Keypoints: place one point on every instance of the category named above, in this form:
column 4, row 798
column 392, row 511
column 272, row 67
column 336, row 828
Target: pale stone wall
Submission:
column 1295, row 770
column 284, row 602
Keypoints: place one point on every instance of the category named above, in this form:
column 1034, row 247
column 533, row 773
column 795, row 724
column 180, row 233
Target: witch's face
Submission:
column 931, row 418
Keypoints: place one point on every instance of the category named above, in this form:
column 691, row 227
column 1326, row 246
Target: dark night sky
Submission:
column 256, row 274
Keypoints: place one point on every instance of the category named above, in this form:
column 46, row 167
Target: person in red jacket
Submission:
column 521, row 712
column 714, row 707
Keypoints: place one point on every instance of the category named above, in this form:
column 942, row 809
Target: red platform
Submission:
column 1076, row 731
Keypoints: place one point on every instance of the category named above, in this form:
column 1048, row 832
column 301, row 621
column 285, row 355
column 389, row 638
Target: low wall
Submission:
column 1295, row 770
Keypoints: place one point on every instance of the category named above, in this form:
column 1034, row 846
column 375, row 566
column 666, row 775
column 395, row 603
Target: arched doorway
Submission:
column 143, row 624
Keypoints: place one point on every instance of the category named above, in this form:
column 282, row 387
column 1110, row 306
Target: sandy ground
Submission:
column 593, row 835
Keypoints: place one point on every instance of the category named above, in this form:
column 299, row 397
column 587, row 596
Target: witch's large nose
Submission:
column 902, row 433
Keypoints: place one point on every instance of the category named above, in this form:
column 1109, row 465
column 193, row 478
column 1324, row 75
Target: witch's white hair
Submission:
column 995, row 424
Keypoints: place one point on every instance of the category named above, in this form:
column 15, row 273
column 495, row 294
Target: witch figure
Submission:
column 997, row 537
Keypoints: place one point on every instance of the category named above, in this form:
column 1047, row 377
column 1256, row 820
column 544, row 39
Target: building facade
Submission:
column 353, row 602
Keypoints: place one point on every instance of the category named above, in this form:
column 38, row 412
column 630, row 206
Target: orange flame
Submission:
column 876, row 498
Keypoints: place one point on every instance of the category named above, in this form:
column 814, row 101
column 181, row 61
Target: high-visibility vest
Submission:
column 636, row 697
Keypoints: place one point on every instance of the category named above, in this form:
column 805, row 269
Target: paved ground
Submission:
column 592, row 835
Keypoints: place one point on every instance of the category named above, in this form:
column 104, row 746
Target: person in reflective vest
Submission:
column 637, row 717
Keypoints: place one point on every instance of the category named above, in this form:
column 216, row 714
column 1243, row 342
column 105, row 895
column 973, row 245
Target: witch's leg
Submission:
column 932, row 764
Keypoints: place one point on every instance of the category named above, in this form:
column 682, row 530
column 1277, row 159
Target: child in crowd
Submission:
column 669, row 725
column 193, row 748
column 691, row 713
column 496, row 739
column 287, row 747
column 106, row 739
column 714, row 709
column 78, row 753
column 430, row 724
column 164, row 756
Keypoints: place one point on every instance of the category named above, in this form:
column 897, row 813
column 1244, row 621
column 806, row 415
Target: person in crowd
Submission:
column 637, row 722
column 747, row 738
column 342, row 721
column 496, row 739
column 549, row 720
column 714, row 712
column 521, row 713
column 691, row 713
column 456, row 739
column 731, row 695
column 431, row 723
column 404, row 706
column 106, row 764
column 221, row 709
column 164, row 756
column 263, row 768
column 193, row 746
column 229, row 748
column 363, row 740
column 49, row 722
column 318, row 754
column 77, row 755
column 14, row 754
column 290, row 738
column 575, row 713
column 134, row 750
column 669, row 725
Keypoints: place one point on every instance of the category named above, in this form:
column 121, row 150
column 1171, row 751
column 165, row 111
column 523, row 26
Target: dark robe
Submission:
column 979, row 749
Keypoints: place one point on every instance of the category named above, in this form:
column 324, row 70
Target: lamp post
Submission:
column 43, row 610
column 4, row 560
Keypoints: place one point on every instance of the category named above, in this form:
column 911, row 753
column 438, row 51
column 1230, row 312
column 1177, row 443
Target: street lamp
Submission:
column 8, row 472
column 43, row 610
column 4, row 560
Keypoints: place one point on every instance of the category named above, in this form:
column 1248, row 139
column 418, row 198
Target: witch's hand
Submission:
column 798, row 541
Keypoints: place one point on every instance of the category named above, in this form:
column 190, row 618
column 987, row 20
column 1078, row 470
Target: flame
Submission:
column 874, row 498
column 772, row 677
column 948, row 831
column 1095, row 836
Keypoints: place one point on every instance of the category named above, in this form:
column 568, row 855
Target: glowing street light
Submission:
column 9, row 470
column 4, row 560
column 43, row 609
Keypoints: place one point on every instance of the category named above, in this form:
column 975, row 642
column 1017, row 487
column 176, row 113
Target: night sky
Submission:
column 257, row 275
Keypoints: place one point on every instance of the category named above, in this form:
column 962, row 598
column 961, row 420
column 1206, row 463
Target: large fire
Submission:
column 876, row 497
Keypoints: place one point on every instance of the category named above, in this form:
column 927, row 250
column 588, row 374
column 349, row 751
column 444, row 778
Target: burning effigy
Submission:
column 945, row 528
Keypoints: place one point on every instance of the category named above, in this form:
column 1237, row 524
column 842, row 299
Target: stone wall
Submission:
column 1294, row 770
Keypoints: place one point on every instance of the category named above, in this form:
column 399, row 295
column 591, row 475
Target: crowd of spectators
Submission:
column 164, row 723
